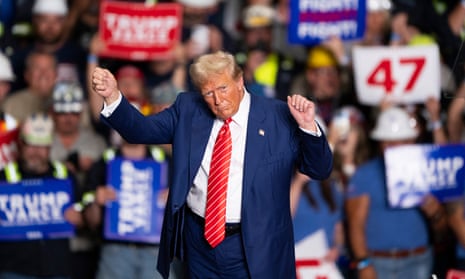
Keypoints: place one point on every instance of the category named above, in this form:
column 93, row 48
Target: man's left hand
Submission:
column 303, row 111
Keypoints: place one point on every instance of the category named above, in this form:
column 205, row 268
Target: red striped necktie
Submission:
column 215, row 213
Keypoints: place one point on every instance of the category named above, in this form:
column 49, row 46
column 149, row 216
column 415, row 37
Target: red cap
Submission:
column 129, row 71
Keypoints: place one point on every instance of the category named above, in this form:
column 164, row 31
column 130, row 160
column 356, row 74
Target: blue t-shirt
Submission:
column 309, row 219
column 386, row 228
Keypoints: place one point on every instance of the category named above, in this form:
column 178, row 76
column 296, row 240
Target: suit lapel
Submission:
column 202, row 123
column 255, row 146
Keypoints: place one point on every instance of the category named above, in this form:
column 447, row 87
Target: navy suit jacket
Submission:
column 275, row 146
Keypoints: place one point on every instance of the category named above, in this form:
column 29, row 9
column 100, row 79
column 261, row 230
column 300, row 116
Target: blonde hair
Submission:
column 217, row 63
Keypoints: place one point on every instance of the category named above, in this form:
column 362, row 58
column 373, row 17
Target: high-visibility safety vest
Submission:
column 267, row 72
column 13, row 175
column 157, row 153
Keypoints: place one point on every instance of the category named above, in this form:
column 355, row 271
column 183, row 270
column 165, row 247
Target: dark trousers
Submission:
column 227, row 260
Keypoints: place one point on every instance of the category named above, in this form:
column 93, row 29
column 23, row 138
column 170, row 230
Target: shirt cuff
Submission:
column 109, row 109
column 316, row 134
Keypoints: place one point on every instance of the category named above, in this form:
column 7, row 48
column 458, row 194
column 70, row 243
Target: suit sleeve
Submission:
column 316, row 158
column 134, row 127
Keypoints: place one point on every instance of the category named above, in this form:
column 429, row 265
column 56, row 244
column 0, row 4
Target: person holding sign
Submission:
column 125, row 257
column 389, row 242
column 40, row 213
column 247, row 231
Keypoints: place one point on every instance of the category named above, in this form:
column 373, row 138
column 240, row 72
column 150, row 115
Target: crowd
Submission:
column 49, row 49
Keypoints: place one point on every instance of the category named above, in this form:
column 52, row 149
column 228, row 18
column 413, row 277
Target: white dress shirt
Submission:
column 197, row 197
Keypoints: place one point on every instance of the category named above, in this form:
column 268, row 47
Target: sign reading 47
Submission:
column 404, row 74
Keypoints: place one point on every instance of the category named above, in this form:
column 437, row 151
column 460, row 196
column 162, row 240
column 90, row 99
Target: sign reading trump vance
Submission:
column 34, row 209
column 136, row 31
column 412, row 171
column 137, row 213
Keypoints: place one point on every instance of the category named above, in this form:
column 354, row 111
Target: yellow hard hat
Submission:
column 320, row 56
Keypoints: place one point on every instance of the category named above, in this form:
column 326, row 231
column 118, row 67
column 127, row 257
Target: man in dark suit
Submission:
column 269, row 140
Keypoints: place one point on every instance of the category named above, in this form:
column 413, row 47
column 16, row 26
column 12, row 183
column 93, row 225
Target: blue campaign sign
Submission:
column 412, row 171
column 314, row 21
column 34, row 209
column 137, row 213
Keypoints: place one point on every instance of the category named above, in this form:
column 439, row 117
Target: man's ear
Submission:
column 240, row 83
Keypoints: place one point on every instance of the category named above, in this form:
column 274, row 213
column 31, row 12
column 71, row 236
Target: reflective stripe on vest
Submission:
column 14, row 176
column 60, row 170
column 158, row 154
column 12, row 173
column 109, row 155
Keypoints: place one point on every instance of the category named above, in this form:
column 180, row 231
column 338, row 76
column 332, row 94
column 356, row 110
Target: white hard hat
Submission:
column 67, row 98
column 37, row 130
column 56, row 7
column 379, row 5
column 394, row 123
column 6, row 72
column 258, row 15
column 199, row 3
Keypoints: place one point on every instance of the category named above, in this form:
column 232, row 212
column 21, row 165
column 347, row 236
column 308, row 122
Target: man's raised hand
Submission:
column 105, row 85
column 303, row 111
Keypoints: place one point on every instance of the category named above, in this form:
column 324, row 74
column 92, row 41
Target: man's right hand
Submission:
column 104, row 194
column 105, row 85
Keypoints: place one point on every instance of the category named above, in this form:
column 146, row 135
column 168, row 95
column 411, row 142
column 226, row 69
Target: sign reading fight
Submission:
column 137, row 214
column 136, row 31
column 415, row 170
column 408, row 74
column 314, row 21
column 34, row 209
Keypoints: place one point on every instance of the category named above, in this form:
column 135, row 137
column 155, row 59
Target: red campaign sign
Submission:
column 136, row 31
column 299, row 264
column 455, row 274
column 8, row 147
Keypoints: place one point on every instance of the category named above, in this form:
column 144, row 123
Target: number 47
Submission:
column 382, row 74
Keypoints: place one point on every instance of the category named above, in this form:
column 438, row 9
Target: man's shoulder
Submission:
column 189, row 99
column 21, row 104
column 19, row 95
column 189, row 95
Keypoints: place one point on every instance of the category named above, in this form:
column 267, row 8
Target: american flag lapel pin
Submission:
column 261, row 132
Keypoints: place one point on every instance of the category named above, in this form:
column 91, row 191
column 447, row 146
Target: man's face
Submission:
column 67, row 123
column 35, row 158
column 259, row 37
column 49, row 28
column 132, row 88
column 223, row 95
column 325, row 82
column 41, row 75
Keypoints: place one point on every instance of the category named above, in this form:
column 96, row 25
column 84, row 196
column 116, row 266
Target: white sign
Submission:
column 309, row 253
column 404, row 74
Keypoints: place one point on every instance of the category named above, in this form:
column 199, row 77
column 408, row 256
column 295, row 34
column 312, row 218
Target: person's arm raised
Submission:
column 104, row 84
